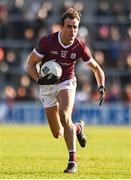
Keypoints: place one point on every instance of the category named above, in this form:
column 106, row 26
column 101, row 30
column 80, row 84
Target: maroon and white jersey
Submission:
column 50, row 47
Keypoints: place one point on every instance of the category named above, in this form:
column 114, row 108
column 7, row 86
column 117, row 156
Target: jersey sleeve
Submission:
column 85, row 53
column 40, row 49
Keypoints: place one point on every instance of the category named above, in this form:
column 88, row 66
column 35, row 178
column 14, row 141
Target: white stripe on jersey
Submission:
column 91, row 60
column 38, row 54
column 64, row 46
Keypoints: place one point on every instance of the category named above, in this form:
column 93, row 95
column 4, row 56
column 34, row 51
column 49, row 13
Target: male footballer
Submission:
column 58, row 97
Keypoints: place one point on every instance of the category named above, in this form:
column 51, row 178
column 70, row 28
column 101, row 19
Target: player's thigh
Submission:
column 66, row 102
column 53, row 117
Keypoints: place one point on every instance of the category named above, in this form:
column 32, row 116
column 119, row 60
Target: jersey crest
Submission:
column 73, row 55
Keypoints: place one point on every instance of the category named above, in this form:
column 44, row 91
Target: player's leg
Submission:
column 53, row 117
column 66, row 103
column 82, row 139
column 49, row 100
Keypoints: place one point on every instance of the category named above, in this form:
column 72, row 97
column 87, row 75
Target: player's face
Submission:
column 69, row 30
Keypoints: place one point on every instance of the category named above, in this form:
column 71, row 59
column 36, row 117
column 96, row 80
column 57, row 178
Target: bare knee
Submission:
column 65, row 119
column 58, row 134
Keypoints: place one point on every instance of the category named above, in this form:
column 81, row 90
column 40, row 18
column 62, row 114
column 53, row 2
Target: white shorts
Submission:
column 48, row 93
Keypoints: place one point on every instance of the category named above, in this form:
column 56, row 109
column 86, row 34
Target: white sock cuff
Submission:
column 72, row 151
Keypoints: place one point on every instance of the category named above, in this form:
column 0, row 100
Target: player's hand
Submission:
column 47, row 79
column 101, row 91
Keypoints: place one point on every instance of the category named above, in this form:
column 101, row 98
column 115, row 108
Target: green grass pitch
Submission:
column 31, row 152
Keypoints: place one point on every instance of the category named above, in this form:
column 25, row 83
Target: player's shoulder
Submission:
column 80, row 43
column 49, row 37
column 83, row 48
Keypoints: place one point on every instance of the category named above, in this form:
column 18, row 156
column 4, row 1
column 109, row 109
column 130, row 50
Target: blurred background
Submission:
column 105, row 27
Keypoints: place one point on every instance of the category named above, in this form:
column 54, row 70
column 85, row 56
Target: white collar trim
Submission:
column 64, row 46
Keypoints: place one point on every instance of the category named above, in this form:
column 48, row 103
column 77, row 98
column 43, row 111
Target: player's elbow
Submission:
column 98, row 70
column 29, row 64
column 27, row 67
column 99, row 73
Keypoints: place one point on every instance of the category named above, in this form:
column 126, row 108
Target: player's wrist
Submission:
column 101, row 88
column 101, row 91
column 39, row 81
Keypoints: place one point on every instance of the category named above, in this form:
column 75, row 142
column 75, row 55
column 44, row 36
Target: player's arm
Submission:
column 31, row 66
column 32, row 71
column 100, row 78
column 98, row 72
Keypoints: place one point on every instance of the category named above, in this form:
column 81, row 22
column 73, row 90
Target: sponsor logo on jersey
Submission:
column 64, row 64
column 54, row 52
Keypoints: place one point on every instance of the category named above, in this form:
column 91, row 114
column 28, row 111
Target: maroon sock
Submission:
column 77, row 127
column 72, row 156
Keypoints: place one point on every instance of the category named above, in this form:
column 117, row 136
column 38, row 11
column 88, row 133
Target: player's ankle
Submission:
column 72, row 156
column 77, row 127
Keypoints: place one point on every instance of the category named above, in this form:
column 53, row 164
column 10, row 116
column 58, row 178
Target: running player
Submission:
column 58, row 97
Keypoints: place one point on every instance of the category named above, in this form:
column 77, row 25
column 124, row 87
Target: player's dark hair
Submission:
column 70, row 13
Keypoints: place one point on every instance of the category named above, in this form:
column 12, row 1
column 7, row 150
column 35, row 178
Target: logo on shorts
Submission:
column 73, row 55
